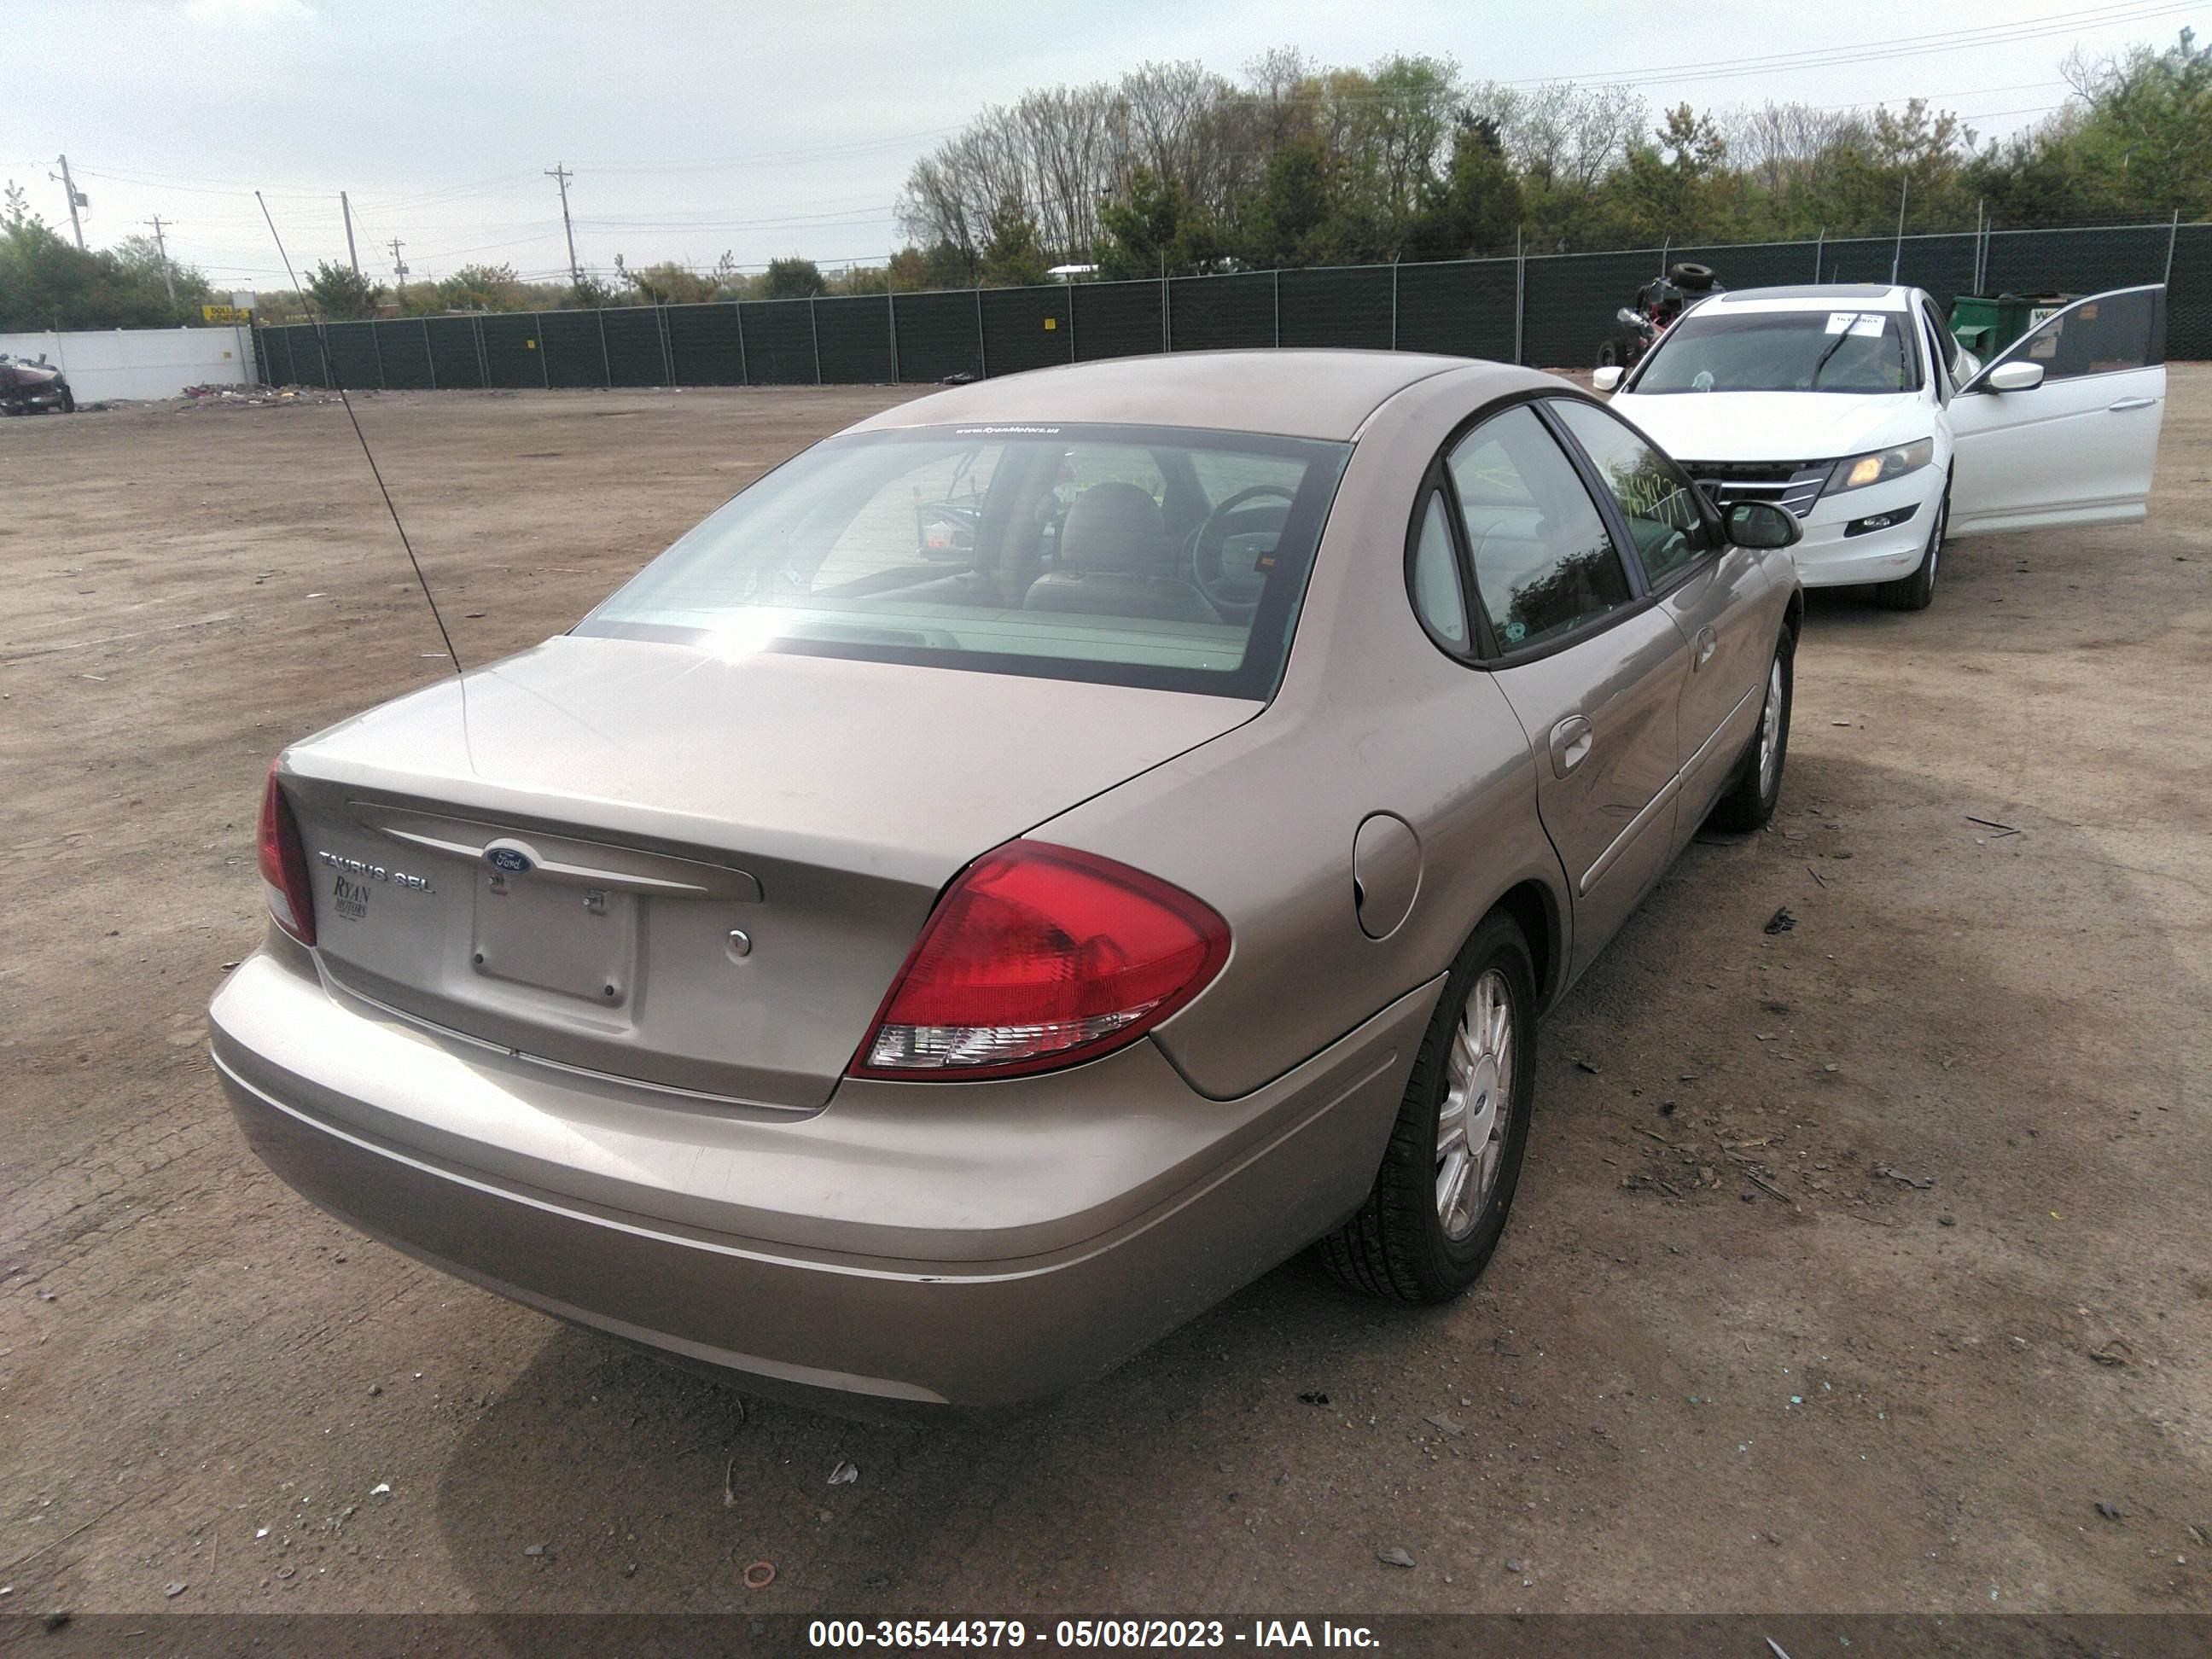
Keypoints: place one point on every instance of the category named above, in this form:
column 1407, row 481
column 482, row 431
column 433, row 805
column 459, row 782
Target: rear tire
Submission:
column 69, row 401
column 1752, row 798
column 1430, row 1224
column 1916, row 590
column 1608, row 354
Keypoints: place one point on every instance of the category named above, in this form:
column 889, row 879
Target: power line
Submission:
column 1910, row 46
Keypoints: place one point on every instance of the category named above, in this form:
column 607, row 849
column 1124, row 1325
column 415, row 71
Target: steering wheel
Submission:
column 1238, row 592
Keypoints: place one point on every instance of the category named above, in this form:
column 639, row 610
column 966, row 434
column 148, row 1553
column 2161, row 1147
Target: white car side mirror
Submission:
column 1607, row 377
column 2015, row 376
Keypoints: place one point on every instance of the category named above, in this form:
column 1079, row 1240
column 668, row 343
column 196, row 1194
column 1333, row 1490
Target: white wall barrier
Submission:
column 141, row 363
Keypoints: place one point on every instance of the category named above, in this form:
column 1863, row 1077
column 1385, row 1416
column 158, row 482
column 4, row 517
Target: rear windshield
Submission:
column 1838, row 351
column 1141, row 555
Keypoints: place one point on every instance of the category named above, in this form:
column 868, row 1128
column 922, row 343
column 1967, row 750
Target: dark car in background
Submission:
column 26, row 388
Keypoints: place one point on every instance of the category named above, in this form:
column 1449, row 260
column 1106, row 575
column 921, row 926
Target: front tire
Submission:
column 1916, row 590
column 1752, row 798
column 69, row 401
column 1440, row 1200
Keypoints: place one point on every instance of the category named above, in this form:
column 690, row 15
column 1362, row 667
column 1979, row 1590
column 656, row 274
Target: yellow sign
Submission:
column 225, row 314
column 1052, row 322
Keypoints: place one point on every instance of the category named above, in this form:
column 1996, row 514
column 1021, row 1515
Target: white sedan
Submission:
column 1852, row 406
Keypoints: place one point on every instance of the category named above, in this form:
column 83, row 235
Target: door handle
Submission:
column 1706, row 643
column 1570, row 744
column 2127, row 403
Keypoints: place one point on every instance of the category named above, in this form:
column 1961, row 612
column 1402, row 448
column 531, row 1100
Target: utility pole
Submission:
column 561, row 176
column 161, row 245
column 346, row 208
column 1896, row 253
column 75, row 201
column 398, row 264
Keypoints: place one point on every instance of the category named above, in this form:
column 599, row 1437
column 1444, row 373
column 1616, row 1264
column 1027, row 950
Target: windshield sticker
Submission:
column 1856, row 322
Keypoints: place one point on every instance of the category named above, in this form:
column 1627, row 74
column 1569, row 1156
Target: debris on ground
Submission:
column 845, row 1474
column 759, row 1575
column 2114, row 1353
column 2109, row 1512
column 533, row 1550
column 1514, row 1563
column 1394, row 1556
column 1313, row 1397
column 2002, row 830
column 1780, row 922
column 175, row 1588
column 1920, row 1183
column 253, row 396
column 1590, row 1066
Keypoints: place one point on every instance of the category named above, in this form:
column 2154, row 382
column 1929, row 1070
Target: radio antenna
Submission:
column 323, row 338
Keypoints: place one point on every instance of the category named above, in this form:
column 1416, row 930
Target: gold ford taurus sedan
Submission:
column 1020, row 871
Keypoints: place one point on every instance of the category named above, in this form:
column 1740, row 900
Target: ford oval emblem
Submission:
column 512, row 860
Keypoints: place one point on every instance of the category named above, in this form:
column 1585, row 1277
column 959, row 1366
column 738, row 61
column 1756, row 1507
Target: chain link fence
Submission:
column 1550, row 310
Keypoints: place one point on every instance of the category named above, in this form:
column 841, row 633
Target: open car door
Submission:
column 2076, row 446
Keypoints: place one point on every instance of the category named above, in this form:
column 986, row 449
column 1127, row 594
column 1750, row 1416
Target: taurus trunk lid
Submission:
column 700, row 873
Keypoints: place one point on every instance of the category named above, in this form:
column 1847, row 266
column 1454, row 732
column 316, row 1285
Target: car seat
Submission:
column 1115, row 559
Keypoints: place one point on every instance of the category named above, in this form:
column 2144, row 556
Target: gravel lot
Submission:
column 1854, row 1270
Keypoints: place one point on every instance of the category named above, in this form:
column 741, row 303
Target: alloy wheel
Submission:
column 1477, row 1110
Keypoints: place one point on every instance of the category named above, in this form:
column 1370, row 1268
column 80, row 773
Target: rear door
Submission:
column 1594, row 672
column 2079, row 447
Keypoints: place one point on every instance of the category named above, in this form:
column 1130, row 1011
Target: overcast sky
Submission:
column 767, row 130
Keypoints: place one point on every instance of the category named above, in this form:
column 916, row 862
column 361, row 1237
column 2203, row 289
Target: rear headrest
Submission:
column 1114, row 527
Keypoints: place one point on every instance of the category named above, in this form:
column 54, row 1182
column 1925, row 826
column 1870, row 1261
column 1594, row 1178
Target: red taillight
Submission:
column 1041, row 957
column 284, row 866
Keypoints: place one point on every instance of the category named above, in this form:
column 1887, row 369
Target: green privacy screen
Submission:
column 1552, row 310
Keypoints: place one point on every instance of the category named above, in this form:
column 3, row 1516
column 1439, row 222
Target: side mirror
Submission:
column 1607, row 377
column 2018, row 375
column 1762, row 524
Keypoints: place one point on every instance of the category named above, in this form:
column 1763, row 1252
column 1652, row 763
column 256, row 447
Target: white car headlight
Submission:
column 1879, row 466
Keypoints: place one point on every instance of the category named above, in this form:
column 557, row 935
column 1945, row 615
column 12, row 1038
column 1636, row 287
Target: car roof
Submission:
column 1291, row 393
column 1812, row 296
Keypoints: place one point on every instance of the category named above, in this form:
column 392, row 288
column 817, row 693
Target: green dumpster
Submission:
column 1985, row 323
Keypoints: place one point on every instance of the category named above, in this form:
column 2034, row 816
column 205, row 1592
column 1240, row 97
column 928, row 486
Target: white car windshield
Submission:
column 1825, row 350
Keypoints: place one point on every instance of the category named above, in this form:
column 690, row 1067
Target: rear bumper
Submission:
column 970, row 1244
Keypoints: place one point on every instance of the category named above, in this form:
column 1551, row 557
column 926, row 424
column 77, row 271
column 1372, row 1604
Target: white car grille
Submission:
column 1793, row 484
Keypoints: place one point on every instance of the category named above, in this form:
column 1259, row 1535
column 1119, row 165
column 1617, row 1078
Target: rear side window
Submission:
column 1543, row 563
column 1438, row 598
column 1658, row 502
column 1152, row 557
